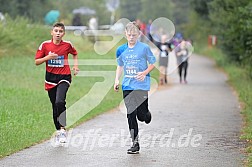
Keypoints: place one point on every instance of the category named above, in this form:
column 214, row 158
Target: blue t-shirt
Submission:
column 135, row 60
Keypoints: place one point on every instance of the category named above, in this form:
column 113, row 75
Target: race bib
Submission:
column 131, row 71
column 59, row 62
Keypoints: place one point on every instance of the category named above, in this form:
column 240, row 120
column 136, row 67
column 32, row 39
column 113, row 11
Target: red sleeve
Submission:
column 40, row 52
column 73, row 51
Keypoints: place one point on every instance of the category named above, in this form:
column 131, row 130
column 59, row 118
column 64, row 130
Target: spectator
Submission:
column 93, row 26
column 77, row 20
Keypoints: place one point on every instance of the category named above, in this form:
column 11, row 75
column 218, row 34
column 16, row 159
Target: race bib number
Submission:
column 59, row 62
column 131, row 71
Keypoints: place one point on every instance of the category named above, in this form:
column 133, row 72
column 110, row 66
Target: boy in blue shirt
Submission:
column 133, row 58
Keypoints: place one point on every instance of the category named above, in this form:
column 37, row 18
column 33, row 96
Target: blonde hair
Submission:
column 132, row 26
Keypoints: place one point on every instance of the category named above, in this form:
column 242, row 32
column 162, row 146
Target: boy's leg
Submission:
column 52, row 96
column 133, row 125
column 143, row 113
column 60, row 103
column 138, row 100
column 130, row 104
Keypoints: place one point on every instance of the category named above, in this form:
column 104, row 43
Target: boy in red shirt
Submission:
column 54, row 53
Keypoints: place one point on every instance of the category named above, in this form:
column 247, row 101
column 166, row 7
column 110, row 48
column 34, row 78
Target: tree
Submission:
column 153, row 10
column 130, row 10
column 180, row 11
column 231, row 21
column 34, row 10
column 201, row 7
column 226, row 15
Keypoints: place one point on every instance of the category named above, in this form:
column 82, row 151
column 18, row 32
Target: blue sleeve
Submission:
column 119, row 51
column 119, row 61
column 150, row 57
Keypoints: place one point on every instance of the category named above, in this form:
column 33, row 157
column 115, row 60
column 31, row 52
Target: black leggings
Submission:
column 183, row 66
column 136, row 103
column 57, row 97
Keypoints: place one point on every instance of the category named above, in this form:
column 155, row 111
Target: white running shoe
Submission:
column 62, row 136
column 56, row 138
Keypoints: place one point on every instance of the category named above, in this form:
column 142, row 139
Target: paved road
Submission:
column 197, row 124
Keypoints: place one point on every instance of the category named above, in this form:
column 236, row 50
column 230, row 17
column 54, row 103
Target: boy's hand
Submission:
column 51, row 56
column 116, row 86
column 76, row 70
column 141, row 76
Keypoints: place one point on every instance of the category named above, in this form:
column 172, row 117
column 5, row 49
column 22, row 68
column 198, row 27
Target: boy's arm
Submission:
column 151, row 59
column 141, row 75
column 75, row 67
column 119, row 71
column 50, row 56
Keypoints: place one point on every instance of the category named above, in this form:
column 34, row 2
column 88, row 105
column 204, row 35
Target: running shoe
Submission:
column 62, row 136
column 134, row 149
column 56, row 138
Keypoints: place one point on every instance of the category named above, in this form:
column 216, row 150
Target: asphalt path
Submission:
column 194, row 124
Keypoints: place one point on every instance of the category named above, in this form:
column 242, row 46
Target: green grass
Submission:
column 25, row 109
column 26, row 115
column 239, row 79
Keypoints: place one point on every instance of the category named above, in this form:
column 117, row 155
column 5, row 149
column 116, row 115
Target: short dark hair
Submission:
column 58, row 24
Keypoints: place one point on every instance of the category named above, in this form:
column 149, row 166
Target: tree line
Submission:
column 230, row 20
column 142, row 9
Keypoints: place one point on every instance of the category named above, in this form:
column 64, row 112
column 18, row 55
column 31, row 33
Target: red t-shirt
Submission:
column 60, row 65
column 57, row 70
